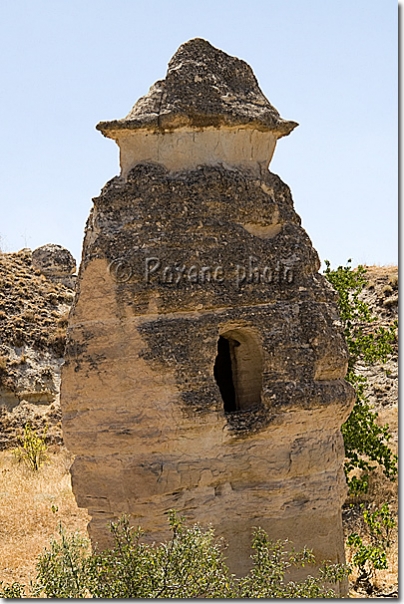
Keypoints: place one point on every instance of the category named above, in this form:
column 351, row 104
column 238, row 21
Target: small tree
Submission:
column 365, row 441
column 370, row 551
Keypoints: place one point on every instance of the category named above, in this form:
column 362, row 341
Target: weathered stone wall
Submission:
column 205, row 362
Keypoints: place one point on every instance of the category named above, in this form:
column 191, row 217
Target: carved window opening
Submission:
column 238, row 371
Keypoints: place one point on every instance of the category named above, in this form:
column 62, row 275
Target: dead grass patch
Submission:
column 27, row 521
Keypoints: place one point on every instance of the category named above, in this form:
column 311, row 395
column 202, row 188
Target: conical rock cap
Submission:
column 204, row 87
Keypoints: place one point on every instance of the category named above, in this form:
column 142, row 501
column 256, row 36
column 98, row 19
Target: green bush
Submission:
column 191, row 564
column 15, row 590
column 365, row 441
column 33, row 448
column 371, row 554
column 62, row 571
column 271, row 562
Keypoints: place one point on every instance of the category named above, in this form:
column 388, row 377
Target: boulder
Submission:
column 53, row 260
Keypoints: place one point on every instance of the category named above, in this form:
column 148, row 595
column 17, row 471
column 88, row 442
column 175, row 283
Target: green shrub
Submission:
column 15, row 590
column 33, row 448
column 62, row 571
column 365, row 441
column 371, row 556
column 271, row 562
column 191, row 564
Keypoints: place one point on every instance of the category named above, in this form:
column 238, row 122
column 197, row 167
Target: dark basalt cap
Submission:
column 203, row 87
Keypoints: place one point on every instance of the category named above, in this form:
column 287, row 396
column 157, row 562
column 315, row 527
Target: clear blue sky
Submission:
column 330, row 65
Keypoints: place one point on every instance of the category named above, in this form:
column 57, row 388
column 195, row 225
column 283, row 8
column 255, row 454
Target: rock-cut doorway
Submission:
column 238, row 371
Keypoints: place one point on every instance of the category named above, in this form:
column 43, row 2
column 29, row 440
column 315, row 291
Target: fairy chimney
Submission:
column 205, row 362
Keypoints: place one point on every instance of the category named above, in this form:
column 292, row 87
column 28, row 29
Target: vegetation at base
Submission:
column 191, row 564
column 371, row 551
column 32, row 450
column 12, row 590
column 365, row 441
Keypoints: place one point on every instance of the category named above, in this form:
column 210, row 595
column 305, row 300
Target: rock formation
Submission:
column 34, row 308
column 56, row 263
column 205, row 361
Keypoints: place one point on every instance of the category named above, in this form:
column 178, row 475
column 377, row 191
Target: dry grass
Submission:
column 26, row 518
column 31, row 304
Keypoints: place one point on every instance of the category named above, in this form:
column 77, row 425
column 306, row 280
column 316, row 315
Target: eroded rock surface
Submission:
column 55, row 262
column 33, row 319
column 205, row 360
column 203, row 87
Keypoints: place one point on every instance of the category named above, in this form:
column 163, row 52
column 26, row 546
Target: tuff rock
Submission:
column 56, row 263
column 205, row 360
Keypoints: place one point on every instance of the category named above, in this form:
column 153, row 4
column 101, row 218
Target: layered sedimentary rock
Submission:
column 205, row 361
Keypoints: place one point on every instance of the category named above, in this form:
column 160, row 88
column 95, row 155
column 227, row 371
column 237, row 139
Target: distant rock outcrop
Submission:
column 56, row 263
column 35, row 302
column 381, row 294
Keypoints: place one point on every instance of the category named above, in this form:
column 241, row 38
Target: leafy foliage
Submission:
column 272, row 560
column 365, row 441
column 372, row 556
column 15, row 590
column 356, row 316
column 32, row 449
column 62, row 571
column 190, row 564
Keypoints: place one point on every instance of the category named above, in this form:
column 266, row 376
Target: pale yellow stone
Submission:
column 187, row 148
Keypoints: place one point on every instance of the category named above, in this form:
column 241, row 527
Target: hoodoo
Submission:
column 205, row 361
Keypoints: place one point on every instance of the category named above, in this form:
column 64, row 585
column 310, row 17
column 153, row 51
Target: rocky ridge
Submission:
column 381, row 294
column 36, row 292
